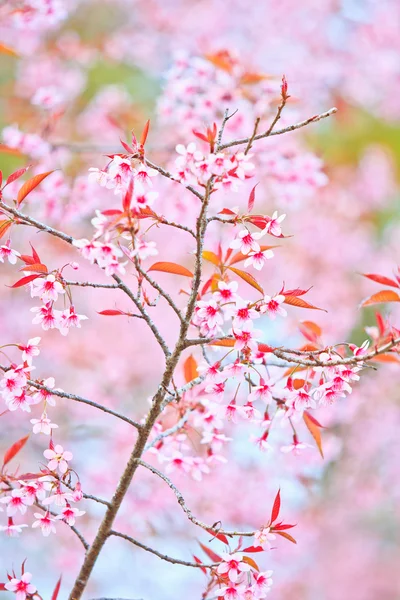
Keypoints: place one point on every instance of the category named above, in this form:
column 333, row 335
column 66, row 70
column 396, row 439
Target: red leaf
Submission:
column 112, row 313
column 314, row 429
column 276, row 507
column 264, row 347
column 287, row 536
column 54, row 595
column 253, row 549
column 24, row 281
column 381, row 279
column 16, row 175
column 145, row 133
column 126, row 202
column 282, row 526
column 190, row 368
column 200, row 563
column 169, row 267
column 248, row 279
column 220, row 536
column 111, row 212
column 30, row 185
column 227, row 211
column 383, row 296
column 295, row 292
column 14, row 449
column 210, row 553
column 314, row 420
column 35, row 255
column 127, row 148
column 252, row 197
column 300, row 303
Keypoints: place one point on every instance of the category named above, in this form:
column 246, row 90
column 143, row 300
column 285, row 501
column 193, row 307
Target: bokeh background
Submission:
column 108, row 66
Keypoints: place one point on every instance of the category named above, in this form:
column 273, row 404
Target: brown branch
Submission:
column 175, row 561
column 293, row 127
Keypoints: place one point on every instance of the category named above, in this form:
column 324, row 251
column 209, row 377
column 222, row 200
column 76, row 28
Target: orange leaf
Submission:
column 7, row 50
column 383, row 296
column 225, row 343
column 287, row 536
column 386, row 358
column 4, row 227
column 211, row 257
column 8, row 150
column 36, row 268
column 30, row 185
column 190, row 368
column 14, row 449
column 314, row 430
column 298, row 383
column 310, row 330
column 300, row 303
column 248, row 279
column 169, row 267
column 251, row 562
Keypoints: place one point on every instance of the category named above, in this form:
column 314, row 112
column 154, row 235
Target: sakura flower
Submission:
column 263, row 538
column 261, row 442
column 262, row 583
column 16, row 501
column 211, row 372
column 242, row 313
column 69, row 318
column 21, row 587
column 19, row 400
column 43, row 425
column 45, row 522
column 69, row 514
column 246, row 337
column 143, row 198
column 226, row 291
column 296, row 447
column 241, row 164
column 144, row 249
column 232, row 565
column 58, row 458
column 47, row 289
column 144, row 174
column 186, row 153
column 12, row 530
column 179, row 462
column 59, row 498
column 77, row 494
column 210, row 312
column 43, row 395
column 100, row 222
column 258, row 259
column 231, row 591
column 247, row 241
column 30, row 350
column 272, row 306
column 261, row 392
column 273, row 227
column 46, row 316
column 87, row 249
column 47, row 97
column 7, row 252
column 101, row 177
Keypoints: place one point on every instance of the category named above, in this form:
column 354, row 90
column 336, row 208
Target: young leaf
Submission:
column 381, row 279
column 252, row 197
column 36, row 268
column 24, row 281
column 7, row 50
column 224, row 343
column 264, row 347
column 211, row 257
column 220, row 536
column 251, row 562
column 14, row 176
column 56, row 591
column 190, row 368
column 145, row 133
column 276, row 507
column 287, row 536
column 314, row 429
column 200, row 563
column 383, row 296
column 300, row 303
column 112, row 313
column 248, row 279
column 210, row 553
column 4, row 227
column 30, row 185
column 14, row 449
column 253, row 549
column 169, row 267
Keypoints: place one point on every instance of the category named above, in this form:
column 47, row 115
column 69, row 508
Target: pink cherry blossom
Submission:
column 272, row 306
column 263, row 538
column 43, row 425
column 258, row 259
column 233, row 566
column 58, row 458
column 45, row 522
column 69, row 514
column 47, row 289
column 16, row 501
column 7, row 252
column 273, row 226
column 30, row 350
column 21, row 587
column 247, row 241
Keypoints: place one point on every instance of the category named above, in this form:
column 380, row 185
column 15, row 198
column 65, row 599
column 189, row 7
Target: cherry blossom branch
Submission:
column 108, row 286
column 187, row 511
column 69, row 239
column 253, row 135
column 159, row 289
column 182, row 421
column 169, row 175
column 177, row 226
column 175, row 561
column 293, row 127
